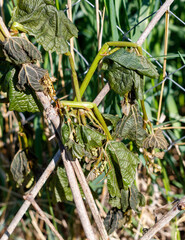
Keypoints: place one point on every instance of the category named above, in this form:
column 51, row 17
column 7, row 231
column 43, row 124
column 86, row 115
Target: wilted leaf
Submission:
column 120, row 79
column 112, row 220
column 136, row 198
column 134, row 62
column 131, row 126
column 111, row 118
column 21, row 101
column 156, row 140
column 91, row 137
column 31, row 74
column 126, row 160
column 7, row 72
column 124, row 199
column 50, row 27
column 19, row 50
column 115, row 202
column 112, row 181
column 60, row 186
column 77, row 150
column 19, row 166
column 123, row 80
column 65, row 132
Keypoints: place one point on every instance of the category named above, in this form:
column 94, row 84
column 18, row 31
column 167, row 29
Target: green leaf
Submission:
column 156, row 140
column 111, row 118
column 50, row 27
column 131, row 126
column 19, row 50
column 19, row 166
column 112, row 220
column 126, row 160
column 31, row 75
column 60, row 186
column 132, row 61
column 91, row 137
column 21, row 101
column 65, row 132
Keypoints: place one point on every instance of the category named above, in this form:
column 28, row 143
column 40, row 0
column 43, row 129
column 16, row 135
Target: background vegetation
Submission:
column 161, row 182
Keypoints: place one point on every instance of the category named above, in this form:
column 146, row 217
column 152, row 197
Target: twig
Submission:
column 178, row 206
column 35, row 225
column 164, row 64
column 30, row 198
column 34, row 192
column 90, row 199
column 140, row 41
column 98, row 23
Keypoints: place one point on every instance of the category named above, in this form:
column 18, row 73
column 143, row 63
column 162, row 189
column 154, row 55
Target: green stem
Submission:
column 86, row 105
column 75, row 78
column 145, row 117
column 99, row 56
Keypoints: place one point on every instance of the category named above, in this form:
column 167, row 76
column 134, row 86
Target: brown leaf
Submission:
column 156, row 140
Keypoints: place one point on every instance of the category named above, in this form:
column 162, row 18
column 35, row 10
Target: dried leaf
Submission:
column 131, row 126
column 156, row 140
column 19, row 50
column 30, row 74
column 159, row 155
column 50, row 27
column 19, row 166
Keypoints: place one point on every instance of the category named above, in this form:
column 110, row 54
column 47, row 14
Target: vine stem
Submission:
column 139, row 42
column 178, row 206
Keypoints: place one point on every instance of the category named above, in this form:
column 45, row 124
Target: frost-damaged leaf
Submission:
column 112, row 220
column 21, row 101
column 50, row 27
column 124, row 199
column 132, row 61
column 31, row 74
column 136, row 198
column 156, row 140
column 19, row 50
column 131, row 126
column 60, row 186
column 126, row 160
column 19, row 166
